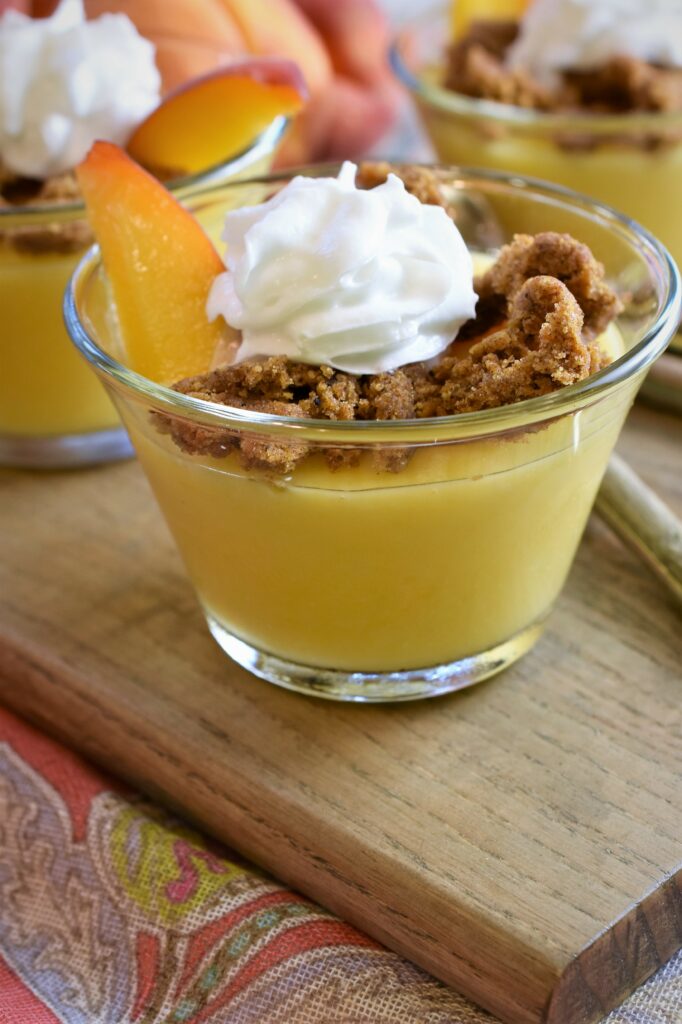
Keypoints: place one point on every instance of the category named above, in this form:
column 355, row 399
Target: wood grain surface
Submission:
column 520, row 840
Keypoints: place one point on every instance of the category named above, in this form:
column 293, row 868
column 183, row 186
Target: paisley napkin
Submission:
column 113, row 912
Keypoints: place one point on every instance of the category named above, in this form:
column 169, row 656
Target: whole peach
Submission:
column 339, row 46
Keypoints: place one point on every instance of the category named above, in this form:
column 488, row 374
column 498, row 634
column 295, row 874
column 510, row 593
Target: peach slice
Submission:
column 466, row 11
column 160, row 264
column 217, row 116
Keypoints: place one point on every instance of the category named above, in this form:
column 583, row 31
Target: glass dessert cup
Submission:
column 53, row 410
column 632, row 161
column 434, row 561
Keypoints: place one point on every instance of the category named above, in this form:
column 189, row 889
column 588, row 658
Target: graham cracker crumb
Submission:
column 542, row 304
column 540, row 349
column 476, row 67
column 559, row 256
column 421, row 182
column 494, row 35
column 59, row 237
column 283, row 388
column 624, row 84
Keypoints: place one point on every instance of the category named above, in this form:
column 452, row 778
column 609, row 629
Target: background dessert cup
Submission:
column 632, row 161
column 433, row 562
column 53, row 410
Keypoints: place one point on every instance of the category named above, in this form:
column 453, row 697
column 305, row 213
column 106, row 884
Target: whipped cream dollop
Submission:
column 556, row 35
column 65, row 82
column 364, row 280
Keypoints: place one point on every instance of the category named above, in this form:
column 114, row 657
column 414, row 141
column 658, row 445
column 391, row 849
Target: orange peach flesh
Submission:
column 214, row 118
column 160, row 264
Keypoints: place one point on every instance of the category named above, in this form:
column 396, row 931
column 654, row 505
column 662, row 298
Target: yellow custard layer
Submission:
column 367, row 571
column 46, row 387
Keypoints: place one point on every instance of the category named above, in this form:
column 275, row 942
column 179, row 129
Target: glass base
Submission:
column 376, row 687
column 66, row 450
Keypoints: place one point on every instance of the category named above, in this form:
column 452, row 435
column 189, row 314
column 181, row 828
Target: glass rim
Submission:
column 181, row 187
column 506, row 113
column 497, row 420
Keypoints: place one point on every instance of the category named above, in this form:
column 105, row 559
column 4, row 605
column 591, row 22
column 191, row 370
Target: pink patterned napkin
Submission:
column 112, row 912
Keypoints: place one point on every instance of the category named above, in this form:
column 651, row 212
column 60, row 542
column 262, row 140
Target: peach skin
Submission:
column 191, row 37
column 226, row 29
column 359, row 105
column 339, row 46
column 197, row 125
column 160, row 264
column 276, row 28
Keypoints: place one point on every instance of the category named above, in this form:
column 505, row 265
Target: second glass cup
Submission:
column 632, row 161
column 433, row 560
column 53, row 410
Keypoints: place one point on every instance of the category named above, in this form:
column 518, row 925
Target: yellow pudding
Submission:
column 377, row 572
column 45, row 389
column 360, row 570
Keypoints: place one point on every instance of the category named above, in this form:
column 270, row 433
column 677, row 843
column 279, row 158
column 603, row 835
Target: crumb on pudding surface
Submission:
column 422, row 182
column 559, row 256
column 542, row 305
column 476, row 67
column 17, row 194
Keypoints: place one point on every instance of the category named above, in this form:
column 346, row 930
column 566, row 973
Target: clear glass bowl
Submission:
column 630, row 161
column 370, row 585
column 53, row 410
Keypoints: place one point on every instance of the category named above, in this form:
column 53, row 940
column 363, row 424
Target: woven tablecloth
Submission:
column 113, row 912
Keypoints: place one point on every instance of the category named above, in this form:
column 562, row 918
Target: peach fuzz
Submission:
column 218, row 115
column 159, row 262
column 277, row 28
column 359, row 104
column 192, row 36
column 340, row 48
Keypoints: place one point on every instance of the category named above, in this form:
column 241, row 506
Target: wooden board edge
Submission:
column 620, row 959
column 24, row 677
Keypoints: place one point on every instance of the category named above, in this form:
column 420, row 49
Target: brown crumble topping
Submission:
column 16, row 191
column 21, row 193
column 541, row 306
column 625, row 84
column 558, row 256
column 422, row 182
column 540, row 348
column 476, row 67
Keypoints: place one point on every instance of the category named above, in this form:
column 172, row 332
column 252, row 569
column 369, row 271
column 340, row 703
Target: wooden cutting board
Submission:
column 520, row 840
